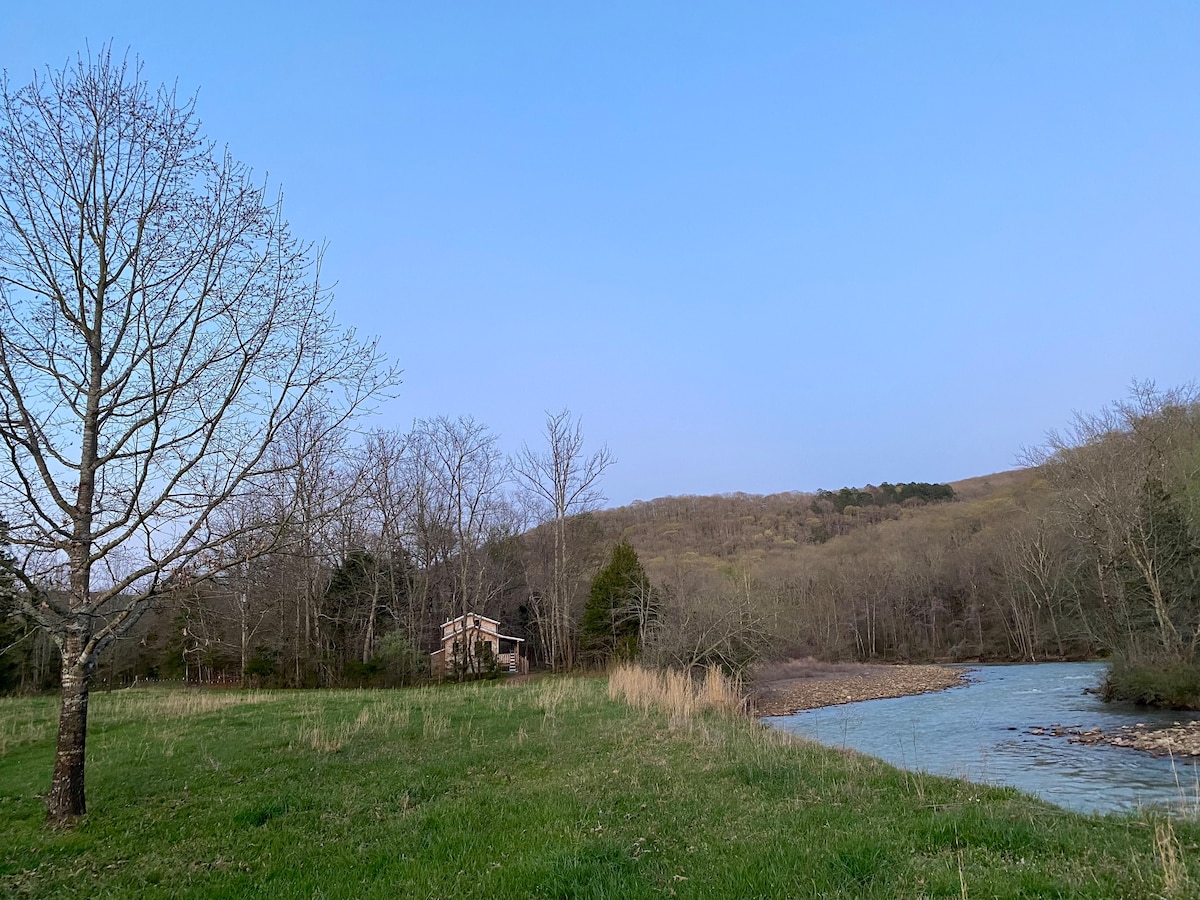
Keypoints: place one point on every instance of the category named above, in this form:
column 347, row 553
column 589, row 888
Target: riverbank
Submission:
column 786, row 688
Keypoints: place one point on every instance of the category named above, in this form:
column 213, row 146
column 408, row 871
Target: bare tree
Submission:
column 464, row 474
column 562, row 482
column 387, row 506
column 159, row 326
column 704, row 621
column 314, row 491
column 1126, row 480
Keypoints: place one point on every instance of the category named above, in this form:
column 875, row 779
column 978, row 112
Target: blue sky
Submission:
column 755, row 246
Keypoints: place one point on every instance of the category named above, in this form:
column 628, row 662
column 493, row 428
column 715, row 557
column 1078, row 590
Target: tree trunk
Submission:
column 245, row 638
column 66, row 801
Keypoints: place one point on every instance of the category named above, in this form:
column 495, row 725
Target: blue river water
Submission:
column 980, row 732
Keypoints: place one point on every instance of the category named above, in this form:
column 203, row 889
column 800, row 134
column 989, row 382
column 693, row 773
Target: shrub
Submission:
column 1172, row 685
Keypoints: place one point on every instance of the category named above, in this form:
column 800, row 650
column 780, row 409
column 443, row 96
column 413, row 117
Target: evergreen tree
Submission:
column 12, row 630
column 620, row 606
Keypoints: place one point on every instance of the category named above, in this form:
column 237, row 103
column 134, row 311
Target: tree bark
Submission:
column 66, row 801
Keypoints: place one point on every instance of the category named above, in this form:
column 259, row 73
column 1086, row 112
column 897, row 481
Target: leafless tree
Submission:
column 315, row 493
column 703, row 622
column 464, row 474
column 1122, row 476
column 561, row 481
column 159, row 327
column 387, row 503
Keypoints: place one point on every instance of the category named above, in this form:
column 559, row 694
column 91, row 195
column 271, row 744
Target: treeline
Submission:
column 1127, row 487
column 1090, row 551
column 884, row 495
column 342, row 571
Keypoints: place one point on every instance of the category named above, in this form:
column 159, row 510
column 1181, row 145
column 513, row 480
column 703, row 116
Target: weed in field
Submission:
column 550, row 695
column 22, row 725
column 433, row 724
column 1170, row 859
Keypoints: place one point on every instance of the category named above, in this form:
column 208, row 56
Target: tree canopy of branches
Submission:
column 1128, row 479
column 159, row 328
column 562, row 481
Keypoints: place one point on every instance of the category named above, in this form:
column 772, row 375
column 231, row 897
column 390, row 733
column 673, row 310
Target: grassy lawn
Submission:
column 542, row 789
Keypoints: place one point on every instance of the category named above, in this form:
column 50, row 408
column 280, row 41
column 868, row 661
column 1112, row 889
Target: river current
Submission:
column 980, row 732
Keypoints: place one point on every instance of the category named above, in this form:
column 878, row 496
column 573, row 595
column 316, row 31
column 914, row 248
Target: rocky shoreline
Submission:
column 804, row 685
column 1179, row 740
column 808, row 684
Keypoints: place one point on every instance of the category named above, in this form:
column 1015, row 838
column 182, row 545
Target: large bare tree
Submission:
column 561, row 480
column 159, row 327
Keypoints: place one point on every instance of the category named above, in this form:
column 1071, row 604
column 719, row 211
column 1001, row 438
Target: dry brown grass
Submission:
column 681, row 695
column 1175, row 881
column 171, row 704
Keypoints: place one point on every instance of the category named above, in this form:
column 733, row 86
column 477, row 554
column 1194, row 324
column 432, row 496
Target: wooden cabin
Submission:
column 468, row 640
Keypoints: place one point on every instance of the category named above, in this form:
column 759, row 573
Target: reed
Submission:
column 682, row 696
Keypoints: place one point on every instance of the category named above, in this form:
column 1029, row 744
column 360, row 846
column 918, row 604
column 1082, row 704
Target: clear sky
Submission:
column 755, row 246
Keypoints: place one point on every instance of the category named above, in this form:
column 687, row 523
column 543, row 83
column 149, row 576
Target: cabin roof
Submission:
column 470, row 616
column 494, row 622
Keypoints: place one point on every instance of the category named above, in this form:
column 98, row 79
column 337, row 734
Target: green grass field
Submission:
column 542, row 789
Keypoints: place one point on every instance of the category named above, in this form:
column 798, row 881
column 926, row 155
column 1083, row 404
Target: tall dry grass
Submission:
column 681, row 695
column 1172, row 868
column 140, row 705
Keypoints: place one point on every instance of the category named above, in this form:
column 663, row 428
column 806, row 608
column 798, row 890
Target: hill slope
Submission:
column 914, row 580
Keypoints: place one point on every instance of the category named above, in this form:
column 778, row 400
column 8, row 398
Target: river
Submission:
column 980, row 732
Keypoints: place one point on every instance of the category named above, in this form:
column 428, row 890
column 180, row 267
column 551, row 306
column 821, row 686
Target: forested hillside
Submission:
column 1094, row 549
column 979, row 576
column 729, row 578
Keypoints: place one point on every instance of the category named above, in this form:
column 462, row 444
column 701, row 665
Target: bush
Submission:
column 363, row 674
column 1171, row 685
column 402, row 663
column 261, row 664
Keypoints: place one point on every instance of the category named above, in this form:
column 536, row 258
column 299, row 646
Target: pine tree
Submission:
column 11, row 629
column 618, row 610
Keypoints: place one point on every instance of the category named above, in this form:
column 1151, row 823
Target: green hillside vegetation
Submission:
column 543, row 789
column 884, row 495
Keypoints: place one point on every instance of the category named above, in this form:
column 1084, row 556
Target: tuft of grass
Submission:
column 682, row 696
column 1175, row 880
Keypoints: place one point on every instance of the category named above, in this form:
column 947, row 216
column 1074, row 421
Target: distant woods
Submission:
column 884, row 495
column 1126, row 487
column 343, row 571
